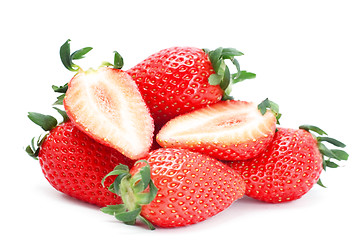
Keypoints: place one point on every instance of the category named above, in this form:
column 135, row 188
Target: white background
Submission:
column 306, row 57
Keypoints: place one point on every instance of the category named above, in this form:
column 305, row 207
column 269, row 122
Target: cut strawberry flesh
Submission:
column 228, row 130
column 107, row 105
column 232, row 122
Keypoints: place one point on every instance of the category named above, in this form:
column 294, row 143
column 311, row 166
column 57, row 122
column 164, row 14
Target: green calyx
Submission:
column 62, row 90
column 33, row 149
column 47, row 123
column 222, row 76
column 118, row 61
column 272, row 106
column 135, row 191
column 329, row 156
column 67, row 57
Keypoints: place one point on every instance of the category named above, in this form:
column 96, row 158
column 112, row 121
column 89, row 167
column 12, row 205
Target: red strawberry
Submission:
column 290, row 166
column 74, row 163
column 185, row 188
column 180, row 79
column 228, row 130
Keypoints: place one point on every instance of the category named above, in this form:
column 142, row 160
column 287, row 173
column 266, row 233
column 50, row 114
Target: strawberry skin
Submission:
column 174, row 81
column 107, row 105
column 191, row 187
column 227, row 130
column 75, row 164
column 286, row 170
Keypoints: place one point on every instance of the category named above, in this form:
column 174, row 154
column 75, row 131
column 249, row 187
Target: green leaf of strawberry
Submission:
column 46, row 122
column 274, row 107
column 320, row 183
column 243, row 76
column 33, row 149
column 60, row 89
column 59, row 99
column 328, row 155
column 67, row 57
column 313, row 128
column 118, row 61
column 215, row 79
column 79, row 54
column 131, row 189
column 62, row 113
column 333, row 141
column 340, row 154
column 222, row 75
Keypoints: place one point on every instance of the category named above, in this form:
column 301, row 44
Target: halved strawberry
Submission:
column 107, row 105
column 228, row 130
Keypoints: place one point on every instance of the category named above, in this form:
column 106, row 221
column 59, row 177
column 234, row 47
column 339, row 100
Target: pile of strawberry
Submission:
column 166, row 144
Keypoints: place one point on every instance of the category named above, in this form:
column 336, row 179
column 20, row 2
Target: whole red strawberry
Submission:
column 290, row 165
column 106, row 110
column 184, row 188
column 75, row 164
column 177, row 80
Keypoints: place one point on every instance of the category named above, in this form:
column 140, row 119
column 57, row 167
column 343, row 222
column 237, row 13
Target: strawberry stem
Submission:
column 135, row 191
column 222, row 75
column 328, row 155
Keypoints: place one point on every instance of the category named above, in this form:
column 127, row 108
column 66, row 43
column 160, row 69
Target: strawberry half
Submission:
column 107, row 105
column 228, row 130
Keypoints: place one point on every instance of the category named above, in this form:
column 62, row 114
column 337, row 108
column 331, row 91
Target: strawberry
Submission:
column 290, row 165
column 73, row 163
column 177, row 80
column 174, row 187
column 227, row 130
column 107, row 105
